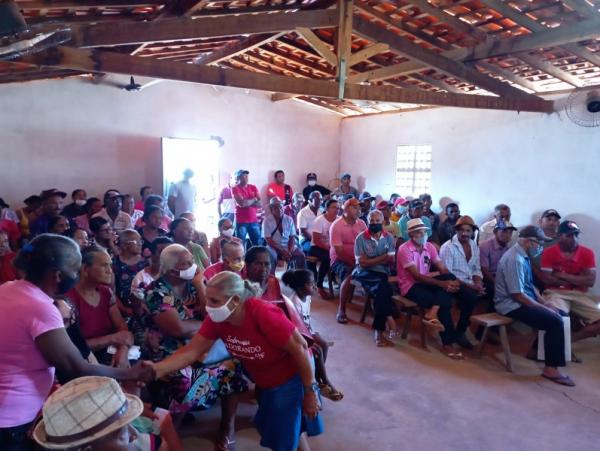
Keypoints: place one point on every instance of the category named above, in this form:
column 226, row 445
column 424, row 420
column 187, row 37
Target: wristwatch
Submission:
column 314, row 387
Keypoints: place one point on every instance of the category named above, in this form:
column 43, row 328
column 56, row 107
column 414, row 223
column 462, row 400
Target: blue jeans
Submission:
column 250, row 229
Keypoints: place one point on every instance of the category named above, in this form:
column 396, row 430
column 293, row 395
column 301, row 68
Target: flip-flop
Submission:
column 335, row 395
column 561, row 380
column 434, row 323
column 393, row 334
column 341, row 318
column 224, row 444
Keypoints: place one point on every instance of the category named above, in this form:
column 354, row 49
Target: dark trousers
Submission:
column 427, row 296
column 466, row 300
column 324, row 263
column 15, row 438
column 376, row 284
column 543, row 319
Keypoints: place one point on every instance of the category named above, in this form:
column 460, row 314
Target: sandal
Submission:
column 453, row 354
column 224, row 444
column 561, row 380
column 341, row 318
column 333, row 394
column 434, row 323
column 393, row 334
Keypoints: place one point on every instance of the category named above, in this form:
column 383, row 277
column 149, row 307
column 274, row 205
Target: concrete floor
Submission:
column 408, row 398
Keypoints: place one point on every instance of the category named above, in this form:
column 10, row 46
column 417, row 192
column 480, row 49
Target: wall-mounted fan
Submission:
column 18, row 39
column 583, row 107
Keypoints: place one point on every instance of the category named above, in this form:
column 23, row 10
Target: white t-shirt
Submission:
column 185, row 197
column 303, row 308
column 306, row 218
column 321, row 225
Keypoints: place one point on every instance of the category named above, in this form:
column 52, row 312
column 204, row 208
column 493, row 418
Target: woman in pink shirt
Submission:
column 33, row 340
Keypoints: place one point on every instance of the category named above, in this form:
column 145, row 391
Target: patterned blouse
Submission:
column 161, row 298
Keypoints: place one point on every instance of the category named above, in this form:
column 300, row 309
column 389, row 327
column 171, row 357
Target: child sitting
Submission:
column 302, row 282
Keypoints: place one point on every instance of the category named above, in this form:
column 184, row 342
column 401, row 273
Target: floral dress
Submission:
column 196, row 387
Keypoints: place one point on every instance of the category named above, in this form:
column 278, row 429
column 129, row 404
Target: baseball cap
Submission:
column 112, row 193
column 311, row 176
column 345, row 175
column 568, row 228
column 3, row 204
column 416, row 203
column 32, row 200
column 504, row 225
column 533, row 231
column 550, row 212
column 240, row 172
column 364, row 196
column 400, row 201
column 352, row 202
column 383, row 204
column 52, row 192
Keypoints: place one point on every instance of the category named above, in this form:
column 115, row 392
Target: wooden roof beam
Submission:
column 344, row 42
column 86, row 4
column 318, row 45
column 236, row 48
column 109, row 34
column 534, row 26
column 507, row 75
column 368, row 52
column 111, row 62
column 546, row 66
column 439, row 62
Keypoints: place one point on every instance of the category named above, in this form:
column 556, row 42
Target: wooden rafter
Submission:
column 86, row 4
column 91, row 60
column 104, row 34
column 429, row 58
column 540, row 63
column 367, row 53
column 237, row 48
column 318, row 45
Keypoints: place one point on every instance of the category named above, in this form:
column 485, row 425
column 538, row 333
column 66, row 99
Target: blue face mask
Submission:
column 421, row 240
column 535, row 252
column 401, row 209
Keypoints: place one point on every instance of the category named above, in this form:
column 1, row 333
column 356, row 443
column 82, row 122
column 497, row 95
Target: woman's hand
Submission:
column 120, row 358
column 143, row 372
column 310, row 404
column 123, row 338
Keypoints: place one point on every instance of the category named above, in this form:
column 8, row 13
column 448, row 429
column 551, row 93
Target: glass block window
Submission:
column 413, row 170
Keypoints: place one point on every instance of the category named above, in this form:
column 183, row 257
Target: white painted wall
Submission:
column 481, row 158
column 70, row 133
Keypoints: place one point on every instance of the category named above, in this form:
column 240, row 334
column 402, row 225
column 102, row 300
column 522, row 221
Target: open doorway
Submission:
column 202, row 157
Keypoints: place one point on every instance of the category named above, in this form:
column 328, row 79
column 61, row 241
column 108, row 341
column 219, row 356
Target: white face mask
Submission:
column 220, row 314
column 80, row 202
column 188, row 274
column 227, row 232
column 312, row 182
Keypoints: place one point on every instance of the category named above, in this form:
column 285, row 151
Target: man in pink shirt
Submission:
column 342, row 235
column 232, row 259
column 431, row 291
column 247, row 202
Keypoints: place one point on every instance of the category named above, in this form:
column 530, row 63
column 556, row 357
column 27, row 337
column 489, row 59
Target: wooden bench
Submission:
column 410, row 308
column 489, row 320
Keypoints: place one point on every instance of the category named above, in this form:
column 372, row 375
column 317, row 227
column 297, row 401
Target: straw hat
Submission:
column 83, row 411
column 415, row 224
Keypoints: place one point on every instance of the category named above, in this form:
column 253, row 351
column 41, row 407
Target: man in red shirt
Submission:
column 342, row 235
column 247, row 202
column 569, row 270
column 279, row 189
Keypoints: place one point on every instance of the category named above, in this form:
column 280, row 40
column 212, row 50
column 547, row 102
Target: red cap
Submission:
column 400, row 201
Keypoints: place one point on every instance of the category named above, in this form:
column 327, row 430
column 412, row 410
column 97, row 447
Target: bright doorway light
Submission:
column 201, row 156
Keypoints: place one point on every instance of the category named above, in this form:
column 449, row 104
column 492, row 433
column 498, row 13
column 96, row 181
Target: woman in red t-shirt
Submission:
column 272, row 351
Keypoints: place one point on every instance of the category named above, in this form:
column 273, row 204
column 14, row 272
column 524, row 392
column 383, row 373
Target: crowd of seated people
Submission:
column 114, row 282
